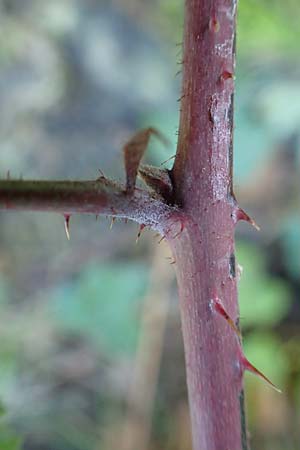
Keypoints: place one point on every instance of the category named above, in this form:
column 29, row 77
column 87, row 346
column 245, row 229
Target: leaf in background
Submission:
column 103, row 305
column 264, row 26
column 291, row 243
column 8, row 439
column 249, row 152
column 263, row 349
column 264, row 300
column 279, row 104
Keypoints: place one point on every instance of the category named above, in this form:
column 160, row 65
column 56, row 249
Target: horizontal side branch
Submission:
column 101, row 196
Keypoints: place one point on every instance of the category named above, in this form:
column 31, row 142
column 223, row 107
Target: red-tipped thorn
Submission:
column 169, row 258
column 226, row 75
column 67, row 225
column 214, row 25
column 241, row 215
column 142, row 226
column 217, row 306
column 248, row 366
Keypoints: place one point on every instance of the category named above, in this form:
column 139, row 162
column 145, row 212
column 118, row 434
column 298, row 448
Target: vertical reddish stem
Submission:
column 204, row 251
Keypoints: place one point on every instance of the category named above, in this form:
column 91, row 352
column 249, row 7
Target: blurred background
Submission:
column 91, row 353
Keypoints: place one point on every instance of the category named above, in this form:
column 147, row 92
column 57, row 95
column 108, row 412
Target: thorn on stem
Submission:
column 167, row 160
column 161, row 239
column 169, row 258
column 240, row 214
column 67, row 225
column 180, row 98
column 246, row 365
column 142, row 226
column 217, row 306
column 214, row 25
column 226, row 75
column 101, row 174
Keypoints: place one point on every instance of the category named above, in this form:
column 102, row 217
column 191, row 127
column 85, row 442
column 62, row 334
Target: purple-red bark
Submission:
column 202, row 177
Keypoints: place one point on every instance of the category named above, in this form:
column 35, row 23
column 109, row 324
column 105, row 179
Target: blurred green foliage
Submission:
column 290, row 240
column 268, row 27
column 103, row 304
column 264, row 300
column 8, row 438
column 263, row 349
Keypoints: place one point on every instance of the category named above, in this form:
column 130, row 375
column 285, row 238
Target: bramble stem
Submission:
column 202, row 177
column 206, row 211
column 101, row 196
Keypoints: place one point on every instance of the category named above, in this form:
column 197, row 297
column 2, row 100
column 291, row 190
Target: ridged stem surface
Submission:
column 204, row 250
